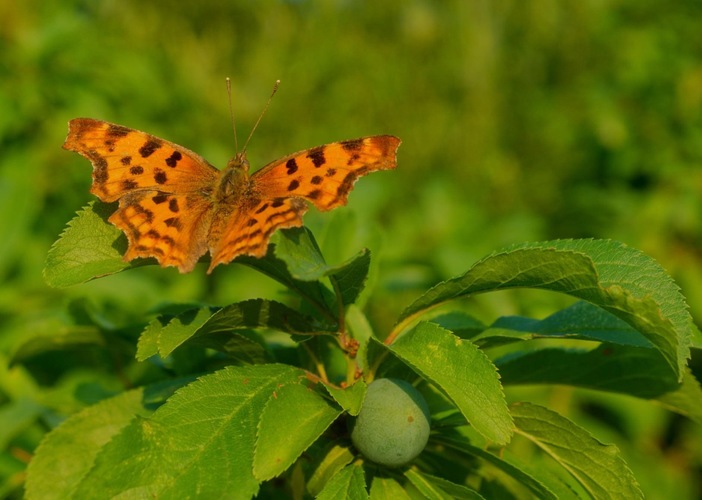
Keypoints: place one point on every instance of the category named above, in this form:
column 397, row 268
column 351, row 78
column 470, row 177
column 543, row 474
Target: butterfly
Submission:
column 175, row 206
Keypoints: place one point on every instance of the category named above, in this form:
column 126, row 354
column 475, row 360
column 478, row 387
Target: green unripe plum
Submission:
column 392, row 427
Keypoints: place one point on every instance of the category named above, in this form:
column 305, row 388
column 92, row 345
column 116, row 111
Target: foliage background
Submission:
column 520, row 121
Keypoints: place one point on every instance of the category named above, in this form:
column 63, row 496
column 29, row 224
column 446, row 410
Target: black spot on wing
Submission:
column 160, row 176
column 313, row 195
column 330, row 172
column 346, row 184
column 126, row 160
column 317, row 156
column 294, row 184
column 153, row 233
column 100, row 174
column 262, row 208
column 136, row 170
column 149, row 148
column 173, row 222
column 159, row 198
column 316, row 180
column 291, row 165
column 354, row 157
column 173, row 160
column 278, row 202
column 251, row 222
column 128, row 184
column 173, row 205
column 117, row 131
column 352, row 145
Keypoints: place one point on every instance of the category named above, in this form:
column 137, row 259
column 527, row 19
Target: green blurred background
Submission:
column 520, row 120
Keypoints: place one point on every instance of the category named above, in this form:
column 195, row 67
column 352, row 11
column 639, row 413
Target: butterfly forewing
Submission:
column 125, row 160
column 324, row 175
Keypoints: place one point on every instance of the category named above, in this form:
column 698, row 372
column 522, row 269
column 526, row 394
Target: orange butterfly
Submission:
column 175, row 206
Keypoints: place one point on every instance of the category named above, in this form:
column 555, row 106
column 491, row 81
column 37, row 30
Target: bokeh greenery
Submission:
column 520, row 121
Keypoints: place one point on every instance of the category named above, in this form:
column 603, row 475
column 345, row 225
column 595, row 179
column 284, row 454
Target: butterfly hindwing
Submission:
column 247, row 230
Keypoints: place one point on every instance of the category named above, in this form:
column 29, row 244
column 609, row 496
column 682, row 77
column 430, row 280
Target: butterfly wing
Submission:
column 246, row 229
column 164, row 190
column 326, row 174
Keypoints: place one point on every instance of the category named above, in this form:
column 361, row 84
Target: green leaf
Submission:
column 463, row 372
column 619, row 279
column 685, row 400
column 292, row 420
column 314, row 292
column 67, row 454
column 349, row 483
column 451, row 438
column 204, row 327
column 635, row 371
column 436, row 488
column 15, row 416
column 351, row 276
column 89, row 247
column 63, row 337
column 582, row 321
column 387, row 488
column 199, row 444
column 298, row 249
column 163, row 339
column 335, row 459
column 599, row 468
column 350, row 398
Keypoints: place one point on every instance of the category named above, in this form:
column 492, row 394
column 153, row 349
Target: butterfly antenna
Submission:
column 231, row 113
column 265, row 108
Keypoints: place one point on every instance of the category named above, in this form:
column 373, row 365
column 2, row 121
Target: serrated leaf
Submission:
column 67, row 453
column 299, row 250
column 314, row 292
column 619, row 279
column 349, row 483
column 436, row 488
column 292, row 420
column 335, row 459
column 164, row 338
column 88, row 248
column 199, row 444
column 349, row 398
column 582, row 320
column 207, row 326
column 629, row 370
column 351, row 276
column 463, row 372
column 599, row 468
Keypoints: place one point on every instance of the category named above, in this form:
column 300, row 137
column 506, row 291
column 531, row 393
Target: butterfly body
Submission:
column 175, row 206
